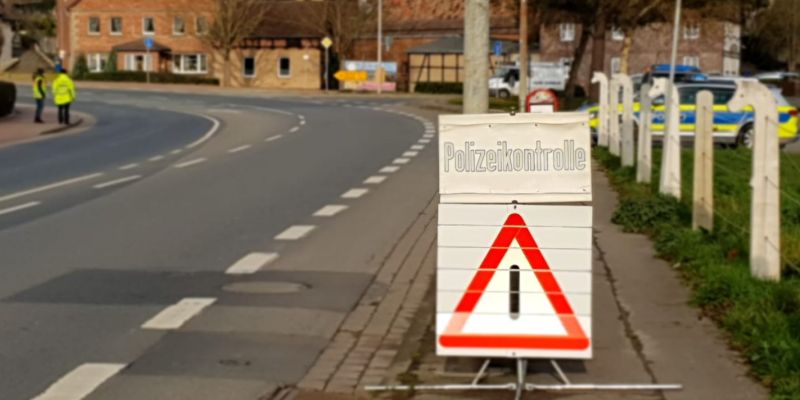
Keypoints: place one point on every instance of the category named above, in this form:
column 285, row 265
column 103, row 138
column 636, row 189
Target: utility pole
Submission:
column 476, row 56
column 379, row 68
column 523, row 53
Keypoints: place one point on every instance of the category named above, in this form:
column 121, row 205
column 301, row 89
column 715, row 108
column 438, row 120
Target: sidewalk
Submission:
column 18, row 127
column 644, row 330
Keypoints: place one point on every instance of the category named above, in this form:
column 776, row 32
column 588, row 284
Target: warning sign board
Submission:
column 528, row 158
column 514, row 281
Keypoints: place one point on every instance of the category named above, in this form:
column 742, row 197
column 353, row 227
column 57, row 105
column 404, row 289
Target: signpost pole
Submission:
column 326, row 69
column 147, row 67
column 379, row 69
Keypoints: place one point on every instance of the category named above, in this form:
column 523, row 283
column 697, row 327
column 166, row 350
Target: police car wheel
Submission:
column 746, row 136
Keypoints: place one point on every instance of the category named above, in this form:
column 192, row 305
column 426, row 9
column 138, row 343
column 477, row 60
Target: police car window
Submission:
column 689, row 94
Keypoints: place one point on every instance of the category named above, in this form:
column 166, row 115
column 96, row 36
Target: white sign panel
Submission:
column 514, row 281
column 500, row 158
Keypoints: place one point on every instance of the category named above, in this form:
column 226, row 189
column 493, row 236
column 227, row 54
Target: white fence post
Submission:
column 765, row 219
column 602, row 112
column 627, row 119
column 644, row 153
column 670, row 182
column 703, row 182
column 613, row 116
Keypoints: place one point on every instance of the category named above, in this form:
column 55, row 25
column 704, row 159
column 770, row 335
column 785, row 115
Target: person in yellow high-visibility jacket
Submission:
column 63, row 95
column 39, row 94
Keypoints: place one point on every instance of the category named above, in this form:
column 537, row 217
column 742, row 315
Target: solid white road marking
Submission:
column 417, row 147
column 294, row 129
column 174, row 316
column 354, row 193
column 330, row 210
column 80, row 382
column 50, row 186
column 375, row 179
column 240, row 148
column 251, row 263
column 155, row 158
column 295, row 232
column 208, row 134
column 190, row 163
column 389, row 169
column 127, row 167
column 401, row 160
column 410, row 154
column 117, row 181
column 19, row 207
column 271, row 138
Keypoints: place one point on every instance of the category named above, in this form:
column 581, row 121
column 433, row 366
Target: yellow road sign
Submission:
column 351, row 75
column 327, row 42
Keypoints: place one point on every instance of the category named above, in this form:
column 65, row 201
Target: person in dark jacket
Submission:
column 39, row 94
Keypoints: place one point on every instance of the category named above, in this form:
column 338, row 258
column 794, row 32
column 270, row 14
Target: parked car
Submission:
column 730, row 128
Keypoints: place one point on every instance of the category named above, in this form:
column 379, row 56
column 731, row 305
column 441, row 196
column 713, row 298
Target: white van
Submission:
column 543, row 75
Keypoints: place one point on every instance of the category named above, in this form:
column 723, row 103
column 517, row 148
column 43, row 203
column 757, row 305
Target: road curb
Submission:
column 61, row 129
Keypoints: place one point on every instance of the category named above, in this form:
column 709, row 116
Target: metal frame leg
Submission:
column 560, row 373
column 481, row 372
column 522, row 371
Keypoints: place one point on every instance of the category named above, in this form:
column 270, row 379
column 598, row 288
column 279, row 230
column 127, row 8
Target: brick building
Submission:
column 712, row 45
column 279, row 55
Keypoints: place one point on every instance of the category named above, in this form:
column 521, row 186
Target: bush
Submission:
column 155, row 77
column 8, row 95
column 81, row 67
column 111, row 63
column 439, row 87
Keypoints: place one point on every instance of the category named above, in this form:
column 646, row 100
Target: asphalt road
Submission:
column 114, row 243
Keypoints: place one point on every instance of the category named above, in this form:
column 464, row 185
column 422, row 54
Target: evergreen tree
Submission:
column 81, row 68
column 111, row 64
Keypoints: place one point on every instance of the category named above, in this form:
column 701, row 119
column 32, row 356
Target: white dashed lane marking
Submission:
column 424, row 141
column 354, row 193
column 20, row 207
column 410, row 154
column 401, row 160
column 389, row 169
column 302, row 122
column 127, row 167
column 117, row 181
column 156, row 158
column 375, row 179
column 176, row 151
column 190, row 163
column 295, row 232
column 271, row 138
column 428, row 136
column 240, row 148
column 251, row 263
column 80, row 382
column 174, row 316
column 50, row 186
column 294, row 129
column 417, row 147
column 330, row 210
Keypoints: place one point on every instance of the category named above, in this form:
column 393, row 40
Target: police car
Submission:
column 730, row 128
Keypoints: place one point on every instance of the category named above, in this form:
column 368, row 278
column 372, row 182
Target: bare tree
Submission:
column 234, row 21
column 343, row 21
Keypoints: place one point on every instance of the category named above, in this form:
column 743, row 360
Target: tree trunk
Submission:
column 624, row 61
column 598, row 52
column 226, row 68
column 577, row 58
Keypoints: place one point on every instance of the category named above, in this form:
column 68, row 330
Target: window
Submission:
column 691, row 31
column 200, row 25
column 116, row 25
column 138, row 62
column 96, row 62
column 148, row 26
column 615, row 65
column 189, row 64
column 617, row 34
column 249, row 67
column 721, row 95
column 567, row 31
column 284, row 67
column 693, row 61
column 94, row 25
column 178, row 26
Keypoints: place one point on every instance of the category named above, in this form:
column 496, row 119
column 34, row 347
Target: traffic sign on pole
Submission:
column 351, row 75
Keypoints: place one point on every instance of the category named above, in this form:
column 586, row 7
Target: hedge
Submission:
column 155, row 77
column 439, row 87
column 8, row 95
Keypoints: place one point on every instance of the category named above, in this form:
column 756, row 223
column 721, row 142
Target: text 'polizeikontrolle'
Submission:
column 467, row 158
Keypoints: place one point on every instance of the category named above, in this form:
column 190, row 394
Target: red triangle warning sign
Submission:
column 454, row 336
